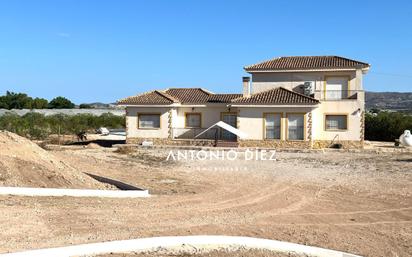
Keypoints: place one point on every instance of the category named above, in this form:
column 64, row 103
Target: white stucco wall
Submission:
column 209, row 115
column 251, row 120
column 293, row 81
column 348, row 107
column 132, row 129
column 262, row 81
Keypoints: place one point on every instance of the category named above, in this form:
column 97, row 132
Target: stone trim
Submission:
column 346, row 144
column 362, row 127
column 169, row 126
column 309, row 126
column 275, row 144
column 316, row 144
column 168, row 141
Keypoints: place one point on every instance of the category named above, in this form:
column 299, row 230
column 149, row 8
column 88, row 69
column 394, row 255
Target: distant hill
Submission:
column 394, row 101
column 99, row 105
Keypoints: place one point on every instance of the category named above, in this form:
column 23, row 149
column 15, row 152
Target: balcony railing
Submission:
column 332, row 95
column 191, row 133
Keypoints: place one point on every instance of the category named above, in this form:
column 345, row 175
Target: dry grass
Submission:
column 126, row 150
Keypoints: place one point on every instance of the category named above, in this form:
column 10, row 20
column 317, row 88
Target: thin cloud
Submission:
column 63, row 34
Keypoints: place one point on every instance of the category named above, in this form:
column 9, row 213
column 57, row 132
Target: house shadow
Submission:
column 100, row 142
column 120, row 185
column 404, row 160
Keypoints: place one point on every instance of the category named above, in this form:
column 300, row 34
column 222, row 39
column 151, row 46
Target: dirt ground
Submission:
column 25, row 164
column 216, row 253
column 355, row 202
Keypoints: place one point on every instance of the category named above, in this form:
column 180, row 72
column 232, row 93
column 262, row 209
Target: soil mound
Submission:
column 93, row 146
column 23, row 163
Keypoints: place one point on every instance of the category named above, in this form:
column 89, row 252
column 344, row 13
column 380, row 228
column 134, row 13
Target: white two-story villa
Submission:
column 298, row 102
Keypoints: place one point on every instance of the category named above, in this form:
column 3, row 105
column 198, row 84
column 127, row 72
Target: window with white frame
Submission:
column 296, row 126
column 193, row 120
column 149, row 121
column 272, row 125
column 336, row 122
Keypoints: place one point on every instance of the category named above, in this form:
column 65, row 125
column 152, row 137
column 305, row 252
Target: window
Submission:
column 296, row 125
column 193, row 120
column 336, row 88
column 151, row 121
column 336, row 122
column 272, row 126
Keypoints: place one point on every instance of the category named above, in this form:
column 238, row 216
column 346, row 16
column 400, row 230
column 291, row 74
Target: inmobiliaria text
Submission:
column 221, row 155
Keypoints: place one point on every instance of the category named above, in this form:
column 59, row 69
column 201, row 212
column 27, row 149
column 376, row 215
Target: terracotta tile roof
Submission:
column 172, row 95
column 306, row 62
column 223, row 98
column 152, row 97
column 276, row 96
column 189, row 95
column 201, row 96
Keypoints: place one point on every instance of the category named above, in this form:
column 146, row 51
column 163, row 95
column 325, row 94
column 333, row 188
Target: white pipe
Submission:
column 179, row 242
column 29, row 191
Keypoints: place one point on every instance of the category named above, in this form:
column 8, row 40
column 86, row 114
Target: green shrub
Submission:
column 60, row 102
column 386, row 126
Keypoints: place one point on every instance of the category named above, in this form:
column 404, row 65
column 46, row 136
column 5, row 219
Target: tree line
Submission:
column 12, row 100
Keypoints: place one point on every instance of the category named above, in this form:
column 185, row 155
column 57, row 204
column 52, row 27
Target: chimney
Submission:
column 246, row 86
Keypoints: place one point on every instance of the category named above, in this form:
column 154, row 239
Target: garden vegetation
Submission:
column 38, row 126
column 386, row 126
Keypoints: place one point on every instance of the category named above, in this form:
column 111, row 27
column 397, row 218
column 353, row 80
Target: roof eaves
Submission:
column 352, row 60
column 251, row 65
column 304, row 70
column 253, row 68
column 123, row 100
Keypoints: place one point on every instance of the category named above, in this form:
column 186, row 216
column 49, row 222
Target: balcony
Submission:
column 334, row 95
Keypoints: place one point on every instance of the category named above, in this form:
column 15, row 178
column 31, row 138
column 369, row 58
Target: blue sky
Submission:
column 91, row 50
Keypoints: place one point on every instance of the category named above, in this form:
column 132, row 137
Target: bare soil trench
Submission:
column 354, row 202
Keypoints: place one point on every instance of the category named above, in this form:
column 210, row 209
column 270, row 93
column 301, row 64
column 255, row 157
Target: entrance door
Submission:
column 231, row 119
